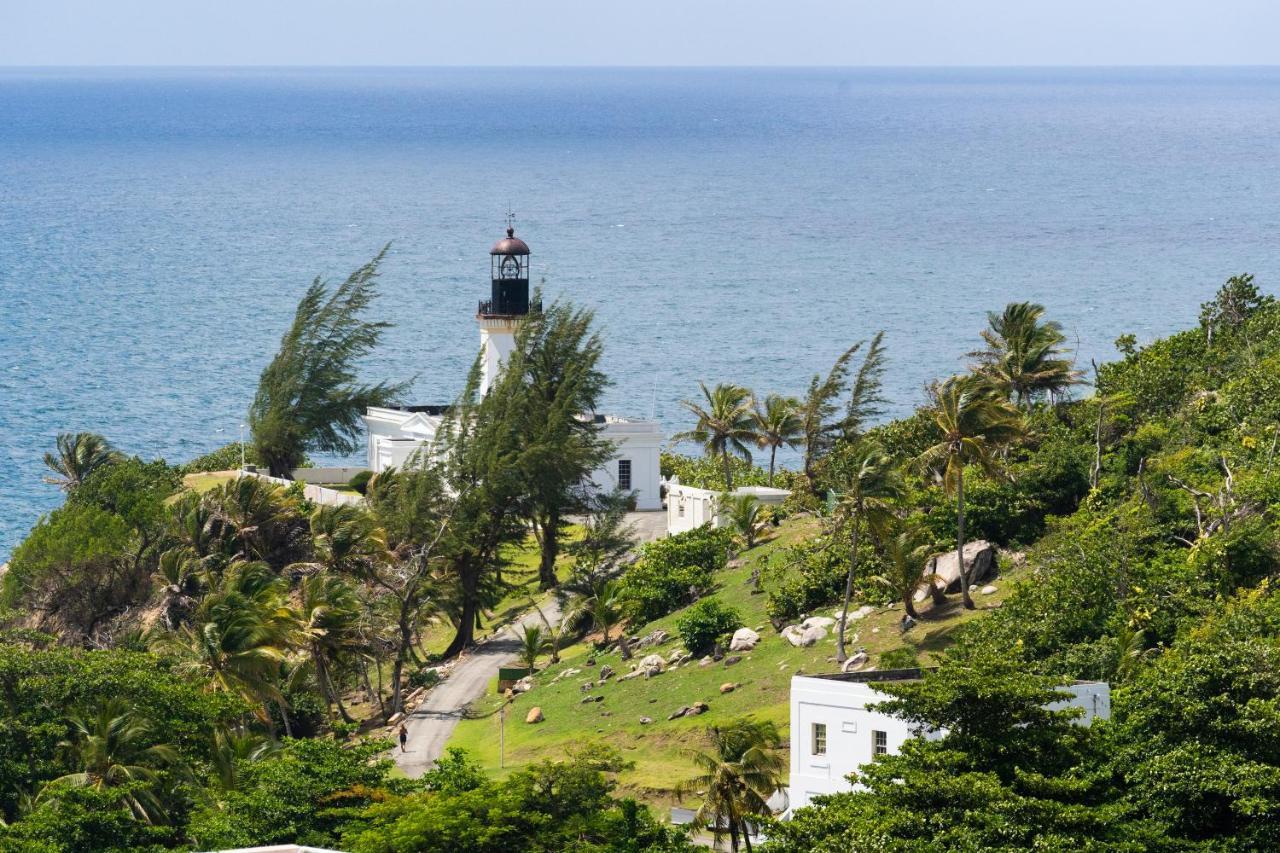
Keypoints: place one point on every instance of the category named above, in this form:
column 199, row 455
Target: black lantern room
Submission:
column 509, row 260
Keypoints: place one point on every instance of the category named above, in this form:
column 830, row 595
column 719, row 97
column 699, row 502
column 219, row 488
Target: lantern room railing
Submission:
column 491, row 308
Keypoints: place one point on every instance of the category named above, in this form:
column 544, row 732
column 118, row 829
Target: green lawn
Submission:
column 657, row 748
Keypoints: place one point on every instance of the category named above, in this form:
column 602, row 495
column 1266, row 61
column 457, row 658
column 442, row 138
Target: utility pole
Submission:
column 241, row 447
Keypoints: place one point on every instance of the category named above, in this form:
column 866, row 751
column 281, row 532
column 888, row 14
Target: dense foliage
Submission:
column 673, row 572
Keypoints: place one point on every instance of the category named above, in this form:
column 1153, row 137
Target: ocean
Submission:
column 158, row 226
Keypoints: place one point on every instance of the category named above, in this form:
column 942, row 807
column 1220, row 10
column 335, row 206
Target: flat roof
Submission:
column 911, row 674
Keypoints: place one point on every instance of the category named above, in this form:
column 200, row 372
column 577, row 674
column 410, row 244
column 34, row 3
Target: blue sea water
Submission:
column 156, row 227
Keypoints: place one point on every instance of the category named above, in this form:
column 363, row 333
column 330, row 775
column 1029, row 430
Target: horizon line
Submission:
column 633, row 66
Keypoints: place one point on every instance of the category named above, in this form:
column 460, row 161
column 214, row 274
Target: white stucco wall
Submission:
column 842, row 707
column 689, row 507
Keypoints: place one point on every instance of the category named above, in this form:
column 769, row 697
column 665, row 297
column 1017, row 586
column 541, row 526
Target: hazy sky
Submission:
column 642, row 32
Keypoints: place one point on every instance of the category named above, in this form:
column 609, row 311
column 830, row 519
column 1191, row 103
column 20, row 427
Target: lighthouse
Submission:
column 405, row 435
column 499, row 316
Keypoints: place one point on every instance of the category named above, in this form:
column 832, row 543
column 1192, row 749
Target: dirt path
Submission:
column 433, row 723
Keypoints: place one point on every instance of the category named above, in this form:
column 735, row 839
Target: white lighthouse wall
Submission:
column 639, row 443
column 497, row 342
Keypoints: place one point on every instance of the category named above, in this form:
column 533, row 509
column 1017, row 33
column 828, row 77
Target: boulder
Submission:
column 823, row 622
column 587, row 685
column 861, row 613
column 605, row 672
column 644, row 721
column 728, row 687
column 654, row 638
column 534, row 715
column 856, row 661
column 979, row 564
column 524, row 685
column 794, row 635
column 586, row 700
column 706, row 661
column 744, row 640
column 635, row 673
column 811, row 635
column 652, row 665
column 987, row 590
column 732, row 659
column 697, row 708
column 675, row 656
column 675, row 715
column 396, row 718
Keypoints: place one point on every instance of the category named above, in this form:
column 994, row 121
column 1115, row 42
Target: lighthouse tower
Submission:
column 499, row 316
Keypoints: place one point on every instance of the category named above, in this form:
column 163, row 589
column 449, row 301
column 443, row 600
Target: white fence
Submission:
column 337, row 476
column 312, row 492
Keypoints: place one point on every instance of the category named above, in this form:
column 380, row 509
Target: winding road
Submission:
column 432, row 724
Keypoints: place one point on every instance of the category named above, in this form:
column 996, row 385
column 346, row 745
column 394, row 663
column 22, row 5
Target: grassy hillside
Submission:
column 656, row 748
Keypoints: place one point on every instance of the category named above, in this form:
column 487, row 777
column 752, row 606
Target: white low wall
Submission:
column 337, row 476
column 312, row 492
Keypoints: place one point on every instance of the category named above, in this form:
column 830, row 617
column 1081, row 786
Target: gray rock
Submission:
column 744, row 640
column 732, row 659
column 605, row 672
column 987, row 590
column 644, row 721
column 979, row 564
column 651, row 665
column 823, row 622
column 811, row 635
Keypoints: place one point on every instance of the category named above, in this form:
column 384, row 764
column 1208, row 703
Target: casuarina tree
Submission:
column 308, row 396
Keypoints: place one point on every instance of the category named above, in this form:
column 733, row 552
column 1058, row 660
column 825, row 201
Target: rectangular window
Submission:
column 819, row 738
column 879, row 743
column 681, row 508
column 624, row 474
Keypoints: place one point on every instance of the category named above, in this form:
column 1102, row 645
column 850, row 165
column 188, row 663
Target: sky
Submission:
column 645, row 32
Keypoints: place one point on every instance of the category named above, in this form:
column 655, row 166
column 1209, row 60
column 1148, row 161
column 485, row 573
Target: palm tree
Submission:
column 778, row 424
column 745, row 517
column 239, row 639
column 254, row 518
column 113, row 748
column 905, row 552
column 821, row 425
column 974, row 421
column 739, row 773
column 347, row 539
column 180, row 572
column 532, row 644
column 233, row 746
column 725, row 426
column 1024, row 356
column 329, row 621
column 78, row 455
column 604, row 607
column 870, row 485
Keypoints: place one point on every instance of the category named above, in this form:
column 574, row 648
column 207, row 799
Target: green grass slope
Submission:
column 657, row 748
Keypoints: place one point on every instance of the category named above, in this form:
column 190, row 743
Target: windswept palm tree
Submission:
column 869, row 485
column 329, row 617
column 180, row 573
column 739, row 772
column 78, row 455
column 974, row 421
column 778, row 425
column 239, row 638
column 1024, row 357
column 905, row 551
column 254, row 518
column 233, row 747
column 725, row 425
column 347, row 539
column 822, row 425
column 114, row 748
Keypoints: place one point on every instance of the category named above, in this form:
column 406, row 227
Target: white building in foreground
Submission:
column 833, row 733
column 689, row 507
column 396, row 434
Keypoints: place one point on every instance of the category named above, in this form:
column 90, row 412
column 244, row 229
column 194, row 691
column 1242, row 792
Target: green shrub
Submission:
column 673, row 572
column 425, row 677
column 812, row 574
column 902, row 657
column 360, row 482
column 226, row 458
column 705, row 622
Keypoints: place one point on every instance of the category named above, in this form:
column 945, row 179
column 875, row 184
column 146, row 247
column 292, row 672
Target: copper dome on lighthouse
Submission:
column 510, row 245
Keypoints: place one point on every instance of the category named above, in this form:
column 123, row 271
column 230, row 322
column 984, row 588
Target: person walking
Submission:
column 404, row 737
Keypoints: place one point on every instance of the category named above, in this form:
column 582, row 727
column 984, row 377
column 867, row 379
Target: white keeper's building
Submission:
column 396, row 434
column 833, row 732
